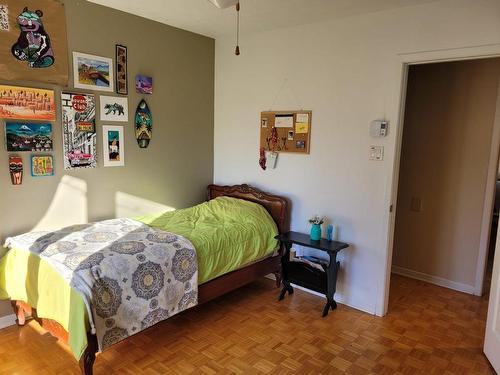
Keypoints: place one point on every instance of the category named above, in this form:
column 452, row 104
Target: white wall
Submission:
column 348, row 72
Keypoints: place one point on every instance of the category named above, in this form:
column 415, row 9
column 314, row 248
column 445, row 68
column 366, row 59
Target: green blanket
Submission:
column 227, row 234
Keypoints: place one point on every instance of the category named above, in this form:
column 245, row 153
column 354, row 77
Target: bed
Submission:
column 215, row 277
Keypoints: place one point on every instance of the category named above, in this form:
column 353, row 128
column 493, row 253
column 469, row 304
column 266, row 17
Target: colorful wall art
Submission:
column 143, row 124
column 33, row 45
column 121, row 70
column 16, row 170
column 92, row 72
column 26, row 103
column 22, row 136
column 113, row 108
column 143, row 84
column 79, row 135
column 42, row 165
column 113, row 146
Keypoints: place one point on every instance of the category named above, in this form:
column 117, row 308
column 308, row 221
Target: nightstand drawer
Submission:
column 306, row 276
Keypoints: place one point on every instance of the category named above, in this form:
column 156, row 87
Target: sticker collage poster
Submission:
column 79, row 131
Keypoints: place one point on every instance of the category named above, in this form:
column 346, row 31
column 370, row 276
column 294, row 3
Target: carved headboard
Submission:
column 277, row 206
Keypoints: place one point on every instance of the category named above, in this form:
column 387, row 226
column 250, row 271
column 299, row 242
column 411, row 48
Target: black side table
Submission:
column 299, row 273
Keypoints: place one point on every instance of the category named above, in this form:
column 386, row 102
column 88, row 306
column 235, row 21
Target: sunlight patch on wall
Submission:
column 68, row 206
column 128, row 205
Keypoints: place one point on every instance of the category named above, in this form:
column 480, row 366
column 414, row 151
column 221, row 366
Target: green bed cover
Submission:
column 227, row 233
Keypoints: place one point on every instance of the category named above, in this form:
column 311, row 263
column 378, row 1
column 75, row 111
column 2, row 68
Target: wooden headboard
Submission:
column 277, row 206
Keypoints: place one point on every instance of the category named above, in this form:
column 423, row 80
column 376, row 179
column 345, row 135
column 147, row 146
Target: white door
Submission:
column 492, row 339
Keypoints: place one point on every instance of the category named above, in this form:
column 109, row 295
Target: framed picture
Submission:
column 113, row 108
column 143, row 84
column 79, row 135
column 27, row 103
column 22, row 136
column 121, row 69
column 42, row 165
column 113, row 146
column 92, row 72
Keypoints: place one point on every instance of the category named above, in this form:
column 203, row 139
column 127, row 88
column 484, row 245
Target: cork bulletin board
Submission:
column 286, row 131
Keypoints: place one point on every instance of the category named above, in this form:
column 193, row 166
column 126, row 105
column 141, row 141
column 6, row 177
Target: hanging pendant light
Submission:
column 237, row 50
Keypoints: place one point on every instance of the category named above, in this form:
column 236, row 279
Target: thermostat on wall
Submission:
column 379, row 128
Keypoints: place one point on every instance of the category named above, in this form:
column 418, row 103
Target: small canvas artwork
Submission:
column 300, row 144
column 79, row 135
column 22, row 136
column 113, row 146
column 92, row 72
column 121, row 70
column 113, row 108
column 290, row 135
column 143, row 84
column 16, row 170
column 42, row 165
column 143, row 124
column 25, row 103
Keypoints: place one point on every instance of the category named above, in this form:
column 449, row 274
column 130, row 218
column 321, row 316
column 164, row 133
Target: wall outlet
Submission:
column 416, row 204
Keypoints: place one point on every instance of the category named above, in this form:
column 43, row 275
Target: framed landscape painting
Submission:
column 22, row 136
column 26, row 103
column 92, row 72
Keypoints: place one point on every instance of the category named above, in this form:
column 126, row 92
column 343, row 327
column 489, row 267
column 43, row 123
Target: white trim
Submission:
column 489, row 202
column 436, row 280
column 403, row 60
column 339, row 298
column 7, row 321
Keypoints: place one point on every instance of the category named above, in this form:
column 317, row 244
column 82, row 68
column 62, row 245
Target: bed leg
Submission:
column 20, row 313
column 88, row 357
column 277, row 275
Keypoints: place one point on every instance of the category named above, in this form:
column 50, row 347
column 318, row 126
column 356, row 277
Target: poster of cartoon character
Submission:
column 79, row 134
column 33, row 43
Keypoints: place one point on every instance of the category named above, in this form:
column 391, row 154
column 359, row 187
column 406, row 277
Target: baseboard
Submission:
column 7, row 321
column 338, row 298
column 436, row 280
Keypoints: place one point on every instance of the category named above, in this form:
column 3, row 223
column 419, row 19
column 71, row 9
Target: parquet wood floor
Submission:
column 429, row 330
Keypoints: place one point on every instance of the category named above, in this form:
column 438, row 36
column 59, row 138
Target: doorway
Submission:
column 445, row 173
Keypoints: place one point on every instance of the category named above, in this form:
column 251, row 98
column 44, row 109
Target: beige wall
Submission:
column 178, row 164
column 450, row 111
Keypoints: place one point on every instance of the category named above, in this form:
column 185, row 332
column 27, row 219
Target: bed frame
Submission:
column 277, row 207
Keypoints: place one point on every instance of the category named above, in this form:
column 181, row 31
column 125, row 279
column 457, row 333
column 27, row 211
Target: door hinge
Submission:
column 390, row 208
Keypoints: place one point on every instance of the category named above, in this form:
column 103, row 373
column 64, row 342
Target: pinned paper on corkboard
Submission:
column 286, row 131
column 33, row 42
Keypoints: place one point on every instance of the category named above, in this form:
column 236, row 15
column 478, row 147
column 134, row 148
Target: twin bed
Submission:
column 96, row 284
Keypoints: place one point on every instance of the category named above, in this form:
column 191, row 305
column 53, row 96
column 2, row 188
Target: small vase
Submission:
column 315, row 232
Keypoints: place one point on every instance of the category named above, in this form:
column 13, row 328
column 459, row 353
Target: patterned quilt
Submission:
column 129, row 275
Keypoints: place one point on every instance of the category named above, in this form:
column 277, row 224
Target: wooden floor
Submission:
column 429, row 330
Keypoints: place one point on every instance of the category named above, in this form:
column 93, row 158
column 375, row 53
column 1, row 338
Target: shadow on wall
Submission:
column 68, row 206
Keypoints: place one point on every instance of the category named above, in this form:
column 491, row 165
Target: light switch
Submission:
column 377, row 153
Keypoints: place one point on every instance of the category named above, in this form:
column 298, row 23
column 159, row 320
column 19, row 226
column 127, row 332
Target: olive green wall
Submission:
column 178, row 164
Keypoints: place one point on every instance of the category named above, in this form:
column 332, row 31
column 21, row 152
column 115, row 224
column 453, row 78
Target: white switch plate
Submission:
column 377, row 153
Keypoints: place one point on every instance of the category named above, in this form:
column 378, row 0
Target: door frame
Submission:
column 405, row 60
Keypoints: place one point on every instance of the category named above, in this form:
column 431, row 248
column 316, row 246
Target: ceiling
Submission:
column 202, row 17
